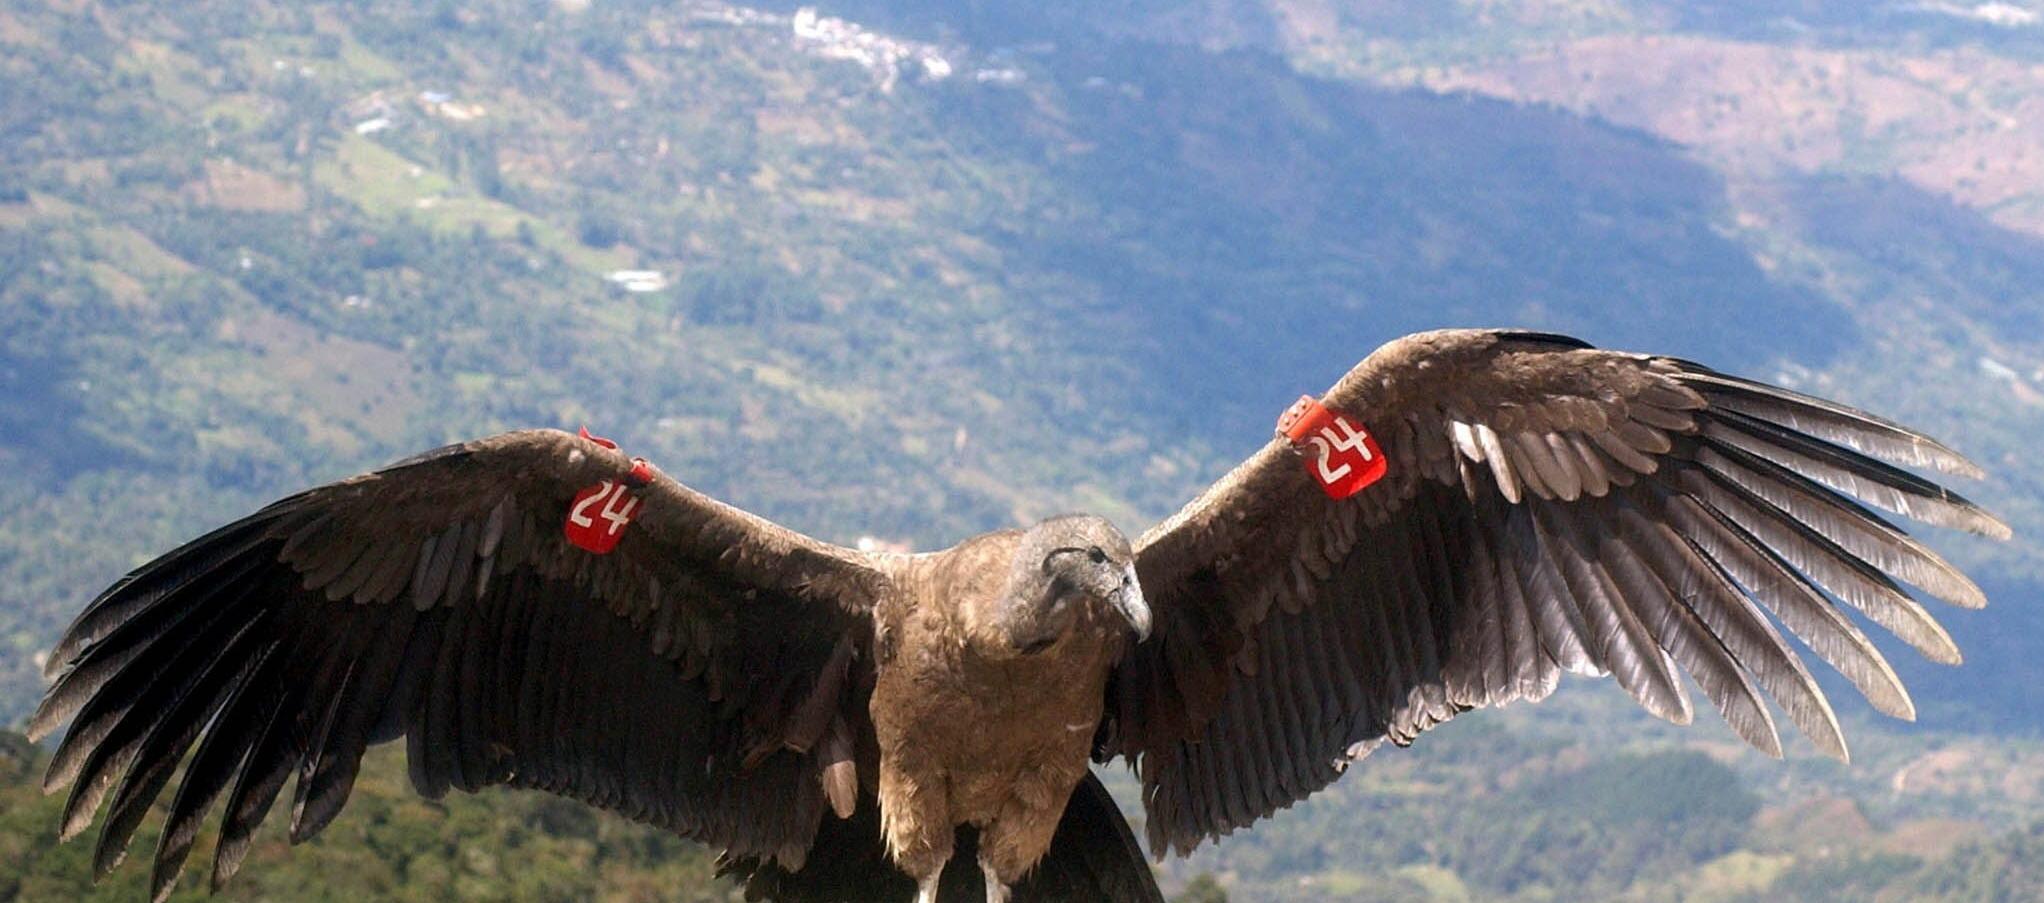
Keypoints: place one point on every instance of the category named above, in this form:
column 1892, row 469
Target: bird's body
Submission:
column 1458, row 521
column 1005, row 753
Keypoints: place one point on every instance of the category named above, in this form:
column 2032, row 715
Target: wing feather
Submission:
column 1549, row 507
column 219, row 757
column 1860, row 534
column 1801, row 606
column 1688, row 640
column 1861, row 477
column 1832, row 422
column 431, row 600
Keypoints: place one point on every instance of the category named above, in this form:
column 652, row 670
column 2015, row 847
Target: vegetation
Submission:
column 1654, row 825
column 392, row 845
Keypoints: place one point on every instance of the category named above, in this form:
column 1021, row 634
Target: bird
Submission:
column 1458, row 521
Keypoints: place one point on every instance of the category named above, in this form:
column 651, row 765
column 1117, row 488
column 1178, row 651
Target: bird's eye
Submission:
column 1097, row 555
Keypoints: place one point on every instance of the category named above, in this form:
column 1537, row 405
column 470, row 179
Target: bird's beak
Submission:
column 1129, row 601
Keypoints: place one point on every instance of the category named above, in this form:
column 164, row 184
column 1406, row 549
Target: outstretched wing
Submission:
column 698, row 676
column 1548, row 507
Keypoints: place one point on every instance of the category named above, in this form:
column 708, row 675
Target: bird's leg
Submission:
column 928, row 870
column 926, row 886
column 916, row 823
column 1011, row 844
column 997, row 890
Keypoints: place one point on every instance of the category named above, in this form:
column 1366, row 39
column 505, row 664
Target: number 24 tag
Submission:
column 597, row 519
column 1343, row 458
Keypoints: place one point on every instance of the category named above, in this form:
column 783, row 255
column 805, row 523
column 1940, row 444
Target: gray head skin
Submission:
column 1070, row 572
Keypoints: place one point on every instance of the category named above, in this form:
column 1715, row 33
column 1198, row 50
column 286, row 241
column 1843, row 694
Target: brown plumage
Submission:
column 854, row 726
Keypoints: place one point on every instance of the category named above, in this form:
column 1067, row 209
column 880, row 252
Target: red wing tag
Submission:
column 598, row 516
column 1341, row 456
column 597, row 519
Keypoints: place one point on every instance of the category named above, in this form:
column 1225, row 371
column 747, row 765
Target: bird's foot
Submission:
column 997, row 891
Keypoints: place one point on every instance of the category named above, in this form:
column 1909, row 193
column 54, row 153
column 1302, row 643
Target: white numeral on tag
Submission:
column 1324, row 455
column 1328, row 442
column 611, row 495
column 1353, row 440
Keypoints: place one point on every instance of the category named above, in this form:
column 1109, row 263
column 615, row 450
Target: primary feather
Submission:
column 1556, row 508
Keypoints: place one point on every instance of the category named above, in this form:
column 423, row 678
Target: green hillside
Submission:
column 1572, row 817
column 392, row 846
column 245, row 247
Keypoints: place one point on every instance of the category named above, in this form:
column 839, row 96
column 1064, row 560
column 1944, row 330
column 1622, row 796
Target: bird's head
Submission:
column 1074, row 571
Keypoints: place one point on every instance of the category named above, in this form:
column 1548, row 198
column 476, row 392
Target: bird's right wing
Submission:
column 1540, row 506
column 533, row 609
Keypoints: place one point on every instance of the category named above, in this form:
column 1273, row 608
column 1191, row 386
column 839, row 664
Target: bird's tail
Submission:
column 1093, row 859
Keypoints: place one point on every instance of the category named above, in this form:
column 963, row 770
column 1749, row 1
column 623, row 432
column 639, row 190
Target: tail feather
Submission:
column 1093, row 859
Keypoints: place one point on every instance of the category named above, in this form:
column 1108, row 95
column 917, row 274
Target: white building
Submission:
column 637, row 281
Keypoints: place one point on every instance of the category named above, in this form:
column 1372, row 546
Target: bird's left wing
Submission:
column 1547, row 507
column 532, row 609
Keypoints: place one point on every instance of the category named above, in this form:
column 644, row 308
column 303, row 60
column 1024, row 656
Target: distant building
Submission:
column 637, row 281
column 735, row 15
column 443, row 104
column 830, row 37
column 372, row 126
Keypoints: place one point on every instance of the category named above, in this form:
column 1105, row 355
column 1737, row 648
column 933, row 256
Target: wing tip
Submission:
column 1946, row 460
column 58, row 660
column 1773, row 748
column 108, row 857
column 1991, row 526
column 76, row 819
column 1888, row 439
column 41, row 725
column 1762, row 736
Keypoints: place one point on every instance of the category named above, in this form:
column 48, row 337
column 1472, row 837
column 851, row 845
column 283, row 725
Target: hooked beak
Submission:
column 1129, row 601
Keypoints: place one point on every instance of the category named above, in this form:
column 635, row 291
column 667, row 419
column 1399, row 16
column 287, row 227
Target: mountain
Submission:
column 920, row 269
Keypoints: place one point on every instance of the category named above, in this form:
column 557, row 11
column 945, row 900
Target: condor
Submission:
column 537, row 610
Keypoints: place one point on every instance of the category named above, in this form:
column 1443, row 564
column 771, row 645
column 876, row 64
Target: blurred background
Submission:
column 905, row 271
